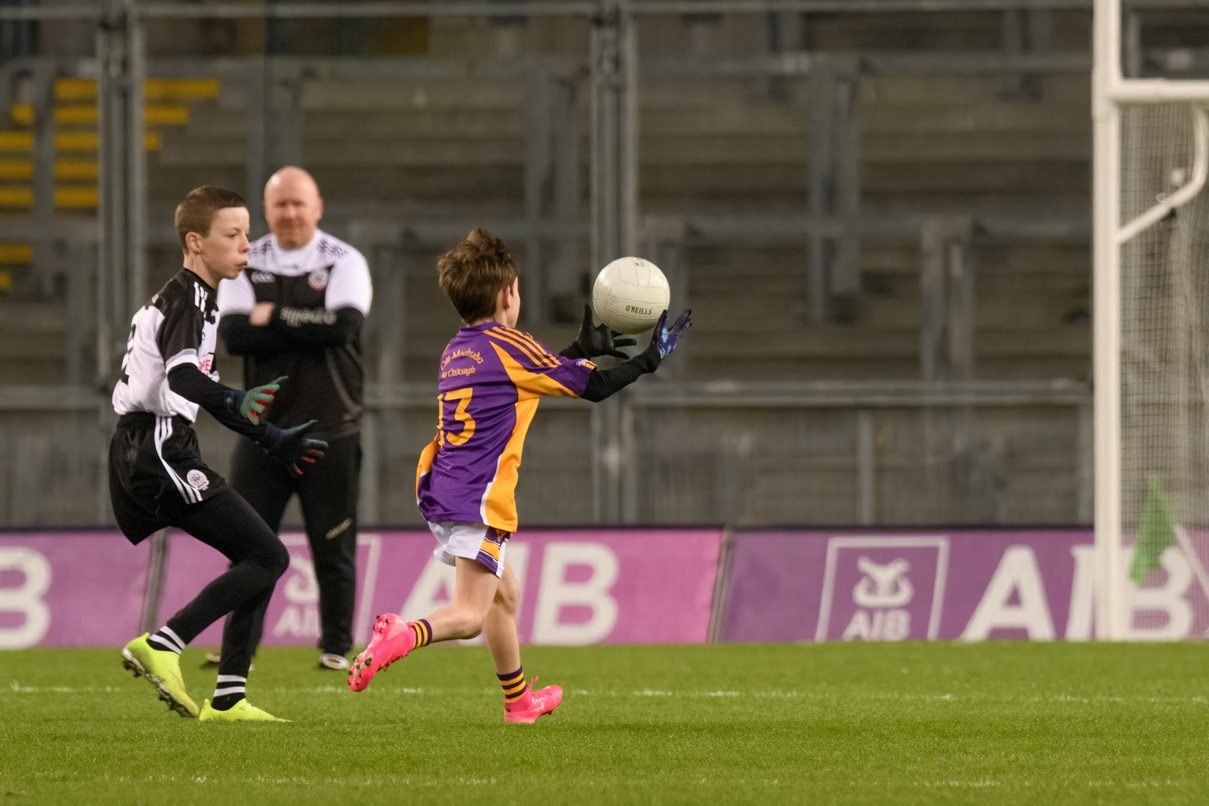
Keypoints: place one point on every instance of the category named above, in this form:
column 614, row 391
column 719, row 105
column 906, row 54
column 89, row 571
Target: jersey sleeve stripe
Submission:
column 541, row 348
column 521, row 335
column 509, row 336
column 537, row 360
column 531, row 384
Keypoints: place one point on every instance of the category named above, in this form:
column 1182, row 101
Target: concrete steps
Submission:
column 439, row 140
column 32, row 342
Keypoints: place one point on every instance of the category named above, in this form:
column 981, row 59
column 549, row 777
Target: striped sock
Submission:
column 230, row 689
column 514, row 685
column 423, row 633
column 165, row 640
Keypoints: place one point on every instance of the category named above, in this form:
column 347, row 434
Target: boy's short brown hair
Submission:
column 473, row 273
column 196, row 212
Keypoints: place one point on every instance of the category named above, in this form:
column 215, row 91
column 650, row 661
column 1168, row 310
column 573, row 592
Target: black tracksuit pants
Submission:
column 328, row 491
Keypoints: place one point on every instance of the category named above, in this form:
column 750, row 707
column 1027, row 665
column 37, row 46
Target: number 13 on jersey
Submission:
column 462, row 399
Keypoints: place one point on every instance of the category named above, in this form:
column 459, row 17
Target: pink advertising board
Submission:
column 578, row 586
column 70, row 589
column 880, row 585
column 641, row 586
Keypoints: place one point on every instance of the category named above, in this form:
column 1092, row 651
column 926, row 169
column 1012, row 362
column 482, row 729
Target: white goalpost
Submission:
column 1151, row 346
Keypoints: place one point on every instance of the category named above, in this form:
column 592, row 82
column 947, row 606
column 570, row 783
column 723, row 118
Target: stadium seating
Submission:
column 451, row 148
column 436, row 144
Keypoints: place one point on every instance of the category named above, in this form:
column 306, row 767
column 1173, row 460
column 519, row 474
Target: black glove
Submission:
column 252, row 404
column 291, row 445
column 594, row 340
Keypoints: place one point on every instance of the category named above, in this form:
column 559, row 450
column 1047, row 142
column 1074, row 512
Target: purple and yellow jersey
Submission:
column 491, row 379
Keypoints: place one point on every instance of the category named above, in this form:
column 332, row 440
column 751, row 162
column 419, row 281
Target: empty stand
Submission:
column 929, row 226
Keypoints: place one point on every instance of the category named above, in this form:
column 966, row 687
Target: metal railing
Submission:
column 743, row 453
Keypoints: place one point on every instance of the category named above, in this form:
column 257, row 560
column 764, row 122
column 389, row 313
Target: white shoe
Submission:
column 330, row 660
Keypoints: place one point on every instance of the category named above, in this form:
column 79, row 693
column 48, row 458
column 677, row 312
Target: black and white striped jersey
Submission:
column 178, row 326
column 307, row 287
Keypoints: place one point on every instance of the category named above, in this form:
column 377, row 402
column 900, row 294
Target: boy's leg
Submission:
column 521, row 703
column 267, row 486
column 474, row 590
column 500, row 627
column 154, row 658
column 228, row 523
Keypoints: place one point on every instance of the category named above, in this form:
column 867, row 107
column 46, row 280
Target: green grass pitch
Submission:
column 998, row 722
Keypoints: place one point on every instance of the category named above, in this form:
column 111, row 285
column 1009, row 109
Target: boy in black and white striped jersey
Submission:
column 157, row 478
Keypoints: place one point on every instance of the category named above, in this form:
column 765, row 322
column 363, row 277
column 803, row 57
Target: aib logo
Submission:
column 883, row 588
column 883, row 585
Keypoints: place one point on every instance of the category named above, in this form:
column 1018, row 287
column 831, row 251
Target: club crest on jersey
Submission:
column 197, row 480
column 318, row 279
column 262, row 277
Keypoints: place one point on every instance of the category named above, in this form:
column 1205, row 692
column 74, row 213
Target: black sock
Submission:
column 165, row 640
column 229, row 690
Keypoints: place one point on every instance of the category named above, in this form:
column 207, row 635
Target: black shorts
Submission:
column 155, row 469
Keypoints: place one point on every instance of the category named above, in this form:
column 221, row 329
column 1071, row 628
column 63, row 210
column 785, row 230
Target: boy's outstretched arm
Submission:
column 243, row 413
column 604, row 382
column 594, row 340
column 238, row 410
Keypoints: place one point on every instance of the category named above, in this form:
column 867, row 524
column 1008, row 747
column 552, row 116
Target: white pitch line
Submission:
column 16, row 687
column 350, row 781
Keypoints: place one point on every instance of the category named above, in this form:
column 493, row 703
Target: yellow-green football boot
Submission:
column 242, row 711
column 162, row 670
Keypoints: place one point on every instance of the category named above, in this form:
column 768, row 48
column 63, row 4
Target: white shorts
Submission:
column 474, row 541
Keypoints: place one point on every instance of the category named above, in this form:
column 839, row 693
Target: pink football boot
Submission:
column 393, row 639
column 534, row 704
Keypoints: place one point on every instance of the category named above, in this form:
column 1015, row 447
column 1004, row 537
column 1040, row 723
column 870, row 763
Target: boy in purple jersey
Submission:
column 491, row 378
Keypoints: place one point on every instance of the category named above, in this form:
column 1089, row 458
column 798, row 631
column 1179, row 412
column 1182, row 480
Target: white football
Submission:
column 630, row 294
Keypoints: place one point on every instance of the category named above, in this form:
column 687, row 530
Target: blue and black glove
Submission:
column 664, row 338
column 594, row 340
column 252, row 404
column 291, row 446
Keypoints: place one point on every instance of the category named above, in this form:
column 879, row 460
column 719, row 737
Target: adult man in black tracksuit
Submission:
column 297, row 310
